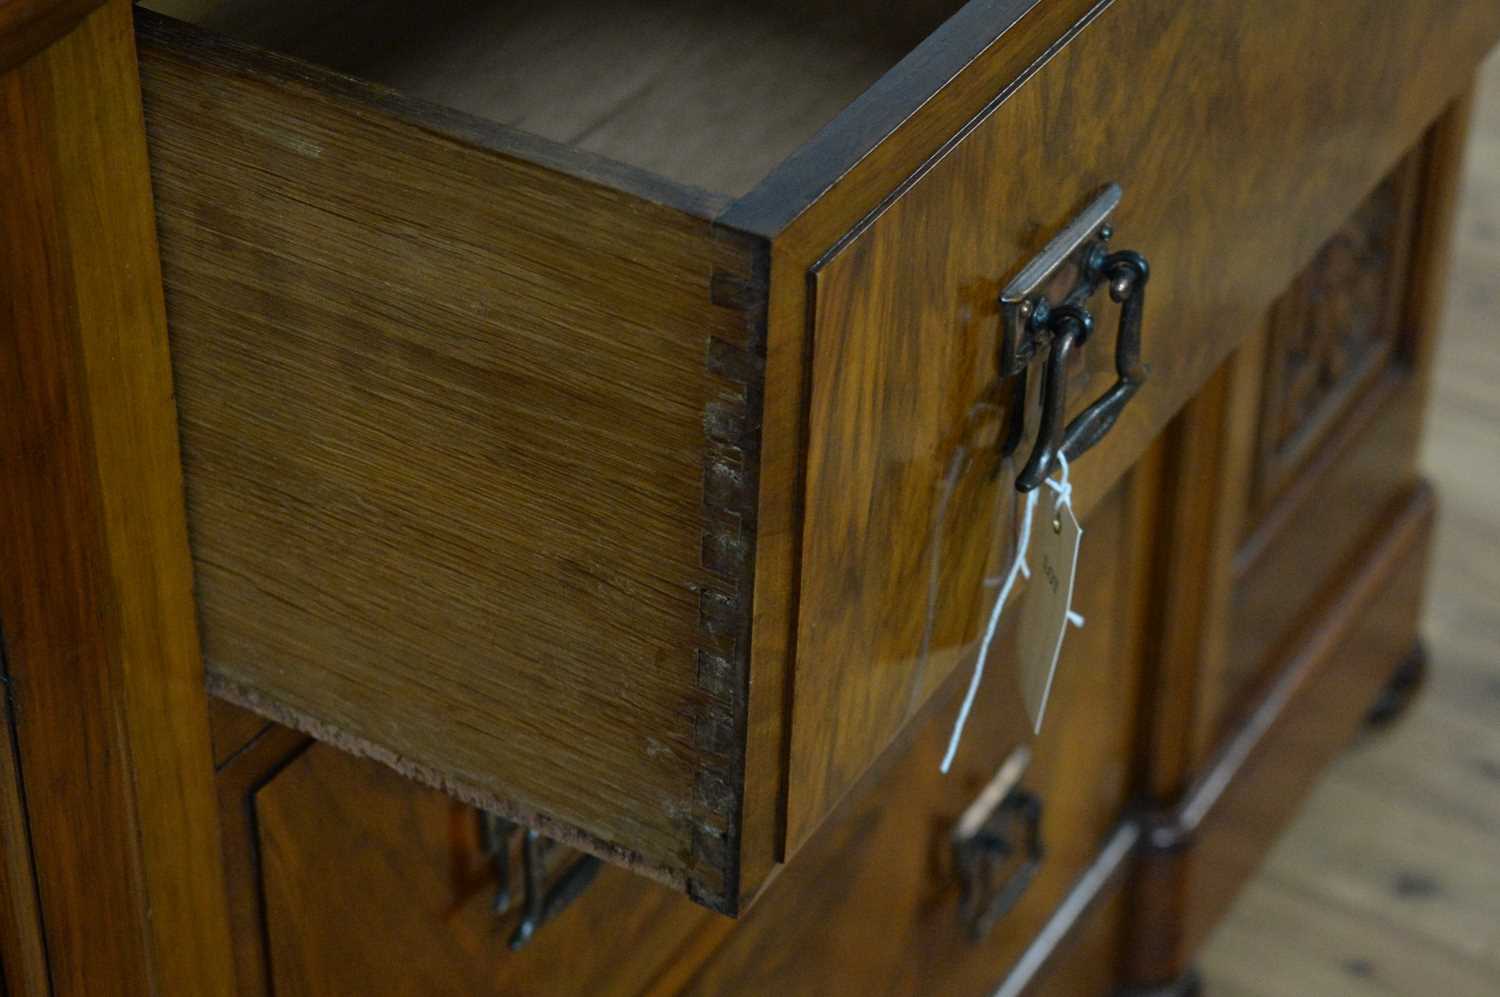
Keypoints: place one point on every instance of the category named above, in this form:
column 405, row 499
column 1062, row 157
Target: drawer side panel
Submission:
column 469, row 450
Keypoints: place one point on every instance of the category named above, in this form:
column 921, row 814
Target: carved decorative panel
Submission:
column 1334, row 332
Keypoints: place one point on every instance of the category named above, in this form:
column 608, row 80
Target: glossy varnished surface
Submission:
column 903, row 323
column 871, row 905
column 107, row 729
column 1386, row 883
column 1215, row 836
column 373, row 885
column 27, row 26
column 1339, row 398
column 1233, row 752
column 716, row 787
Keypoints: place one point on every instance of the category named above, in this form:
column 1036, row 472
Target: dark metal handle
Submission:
column 1015, row 839
column 543, row 903
column 1046, row 307
column 1070, row 324
column 997, row 848
column 540, row 902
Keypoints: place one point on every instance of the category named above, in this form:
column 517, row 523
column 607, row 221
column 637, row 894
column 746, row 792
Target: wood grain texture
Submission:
column 354, row 857
column 232, row 728
column 1216, row 837
column 870, row 906
column 915, row 286
column 341, row 836
column 101, row 646
column 23, row 956
column 28, row 26
column 847, row 191
column 826, row 189
column 237, row 780
column 1386, row 882
column 1337, row 329
column 1205, row 467
column 1371, row 462
column 710, row 94
column 470, row 449
column 1343, row 500
column 1359, row 450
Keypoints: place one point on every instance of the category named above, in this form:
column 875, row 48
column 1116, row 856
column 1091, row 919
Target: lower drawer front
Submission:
column 368, row 883
column 372, row 884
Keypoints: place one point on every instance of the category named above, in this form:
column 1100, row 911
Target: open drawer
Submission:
column 563, row 429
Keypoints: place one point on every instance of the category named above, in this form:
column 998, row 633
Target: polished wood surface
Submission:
column 1335, row 331
column 717, row 783
column 473, row 424
column 254, row 764
column 23, row 956
column 1209, row 843
column 1386, row 883
column 811, row 207
column 232, row 729
column 729, row 541
column 108, row 712
column 888, row 399
column 1206, row 468
column 28, row 26
column 353, row 857
column 871, row 905
column 331, row 858
column 467, row 473
column 1344, row 438
column 1313, row 613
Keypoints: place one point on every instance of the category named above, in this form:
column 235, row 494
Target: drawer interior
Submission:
column 469, row 362
column 711, row 95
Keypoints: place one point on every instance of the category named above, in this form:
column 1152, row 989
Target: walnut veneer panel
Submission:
column 374, row 885
column 1339, row 421
column 1245, row 137
column 871, row 905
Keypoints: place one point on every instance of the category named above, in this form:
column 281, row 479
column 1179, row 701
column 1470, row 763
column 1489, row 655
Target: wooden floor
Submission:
column 1389, row 881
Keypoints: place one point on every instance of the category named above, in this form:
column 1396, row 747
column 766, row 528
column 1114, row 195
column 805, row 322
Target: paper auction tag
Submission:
column 1049, row 595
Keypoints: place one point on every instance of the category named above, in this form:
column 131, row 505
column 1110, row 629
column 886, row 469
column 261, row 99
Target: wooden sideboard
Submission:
column 506, row 498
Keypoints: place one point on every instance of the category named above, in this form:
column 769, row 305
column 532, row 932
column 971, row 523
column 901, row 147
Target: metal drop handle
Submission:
column 540, row 901
column 997, row 847
column 1046, row 307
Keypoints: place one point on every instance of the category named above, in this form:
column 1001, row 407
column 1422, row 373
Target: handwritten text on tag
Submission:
column 1047, row 602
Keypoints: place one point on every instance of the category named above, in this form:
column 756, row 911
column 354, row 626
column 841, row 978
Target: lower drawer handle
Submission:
column 1046, row 307
column 997, row 848
column 540, row 901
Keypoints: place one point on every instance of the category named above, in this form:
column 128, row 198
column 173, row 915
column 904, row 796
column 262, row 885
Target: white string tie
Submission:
column 1018, row 568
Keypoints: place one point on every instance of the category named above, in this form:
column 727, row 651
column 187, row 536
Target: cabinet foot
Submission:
column 1189, row 984
column 1400, row 690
